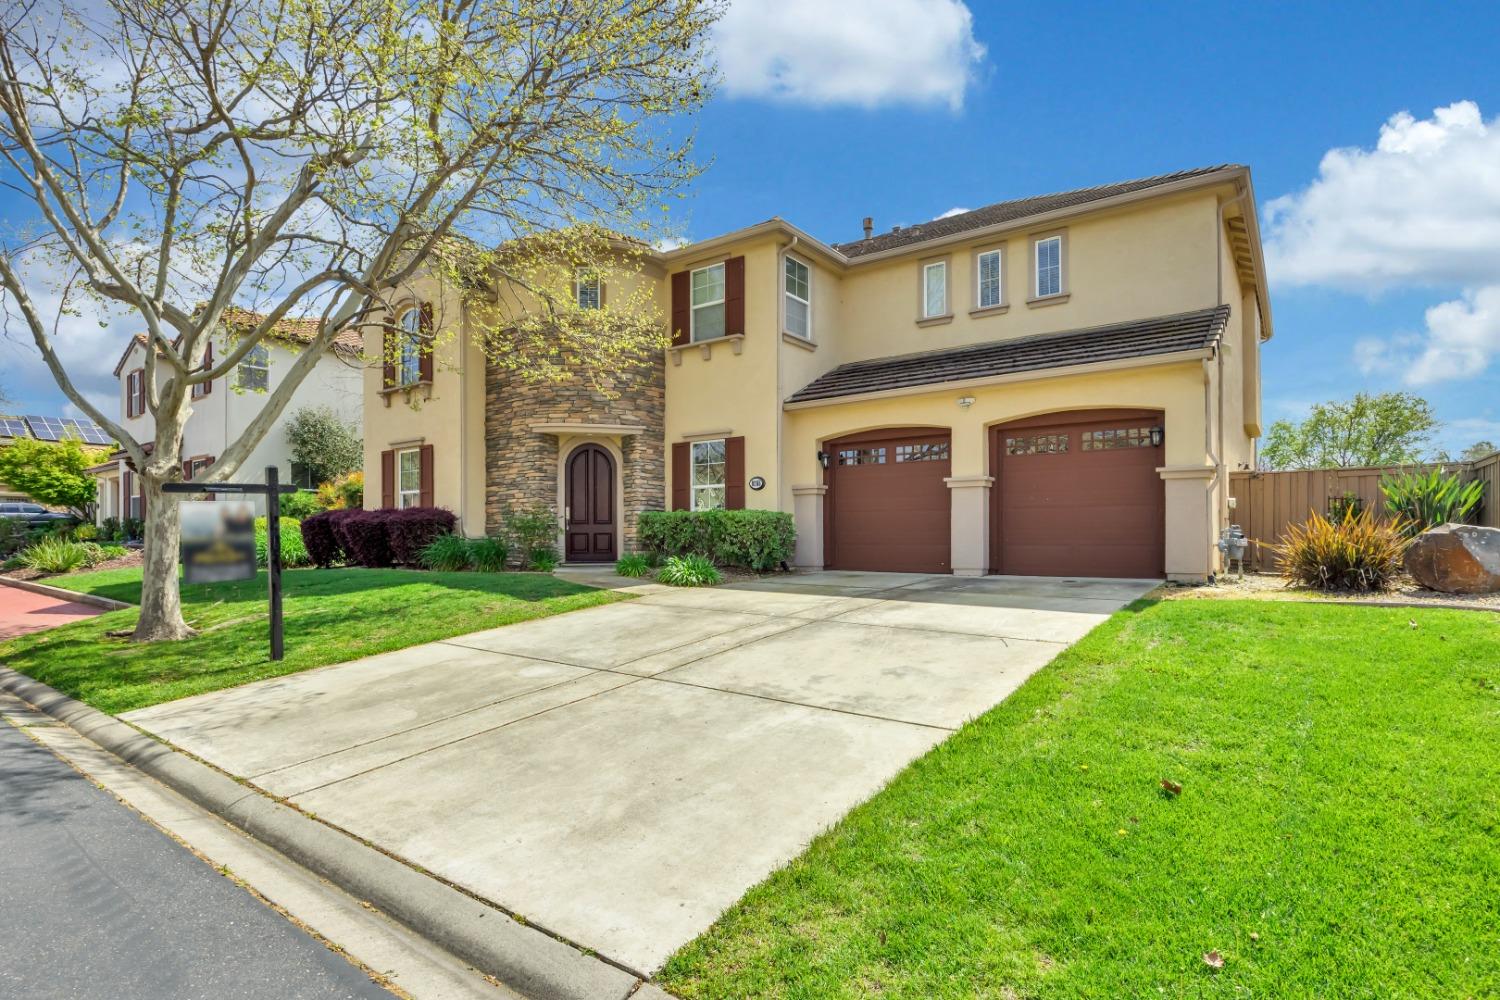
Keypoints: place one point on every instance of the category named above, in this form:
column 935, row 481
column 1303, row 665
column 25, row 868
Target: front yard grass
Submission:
column 1337, row 834
column 331, row 615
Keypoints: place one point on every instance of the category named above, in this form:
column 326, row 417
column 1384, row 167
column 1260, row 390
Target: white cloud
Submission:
column 1459, row 340
column 831, row 52
column 954, row 211
column 1420, row 209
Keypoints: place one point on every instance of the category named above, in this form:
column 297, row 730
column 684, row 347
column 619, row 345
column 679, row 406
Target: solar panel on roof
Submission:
column 12, row 427
column 45, row 428
column 86, row 431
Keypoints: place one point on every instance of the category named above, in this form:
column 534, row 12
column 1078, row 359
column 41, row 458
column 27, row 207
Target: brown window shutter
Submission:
column 682, row 312
column 208, row 364
column 734, row 296
column 187, row 470
column 682, row 475
column 388, row 478
column 424, row 498
column 424, row 359
column 734, row 473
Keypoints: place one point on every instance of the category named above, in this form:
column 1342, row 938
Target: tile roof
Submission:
column 1011, row 211
column 1116, row 342
column 297, row 329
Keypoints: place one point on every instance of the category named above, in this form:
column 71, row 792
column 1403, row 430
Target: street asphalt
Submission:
column 97, row 903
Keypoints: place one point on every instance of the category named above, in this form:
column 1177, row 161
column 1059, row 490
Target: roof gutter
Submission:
column 1199, row 354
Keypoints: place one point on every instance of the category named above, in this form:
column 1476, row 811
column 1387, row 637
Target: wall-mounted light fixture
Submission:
column 966, row 401
column 1156, row 436
column 824, row 459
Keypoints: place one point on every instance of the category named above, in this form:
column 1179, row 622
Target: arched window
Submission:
column 410, row 370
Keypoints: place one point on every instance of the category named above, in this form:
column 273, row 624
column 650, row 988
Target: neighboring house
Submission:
column 222, row 408
column 1057, row 385
column 15, row 428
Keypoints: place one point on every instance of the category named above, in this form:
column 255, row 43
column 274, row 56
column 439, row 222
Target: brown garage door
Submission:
column 887, row 505
column 1078, row 495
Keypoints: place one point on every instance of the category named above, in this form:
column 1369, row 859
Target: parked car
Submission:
column 32, row 513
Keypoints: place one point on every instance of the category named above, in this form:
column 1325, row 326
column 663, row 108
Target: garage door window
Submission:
column 1037, row 444
column 1111, row 438
column 862, row 456
column 708, row 475
column 933, row 452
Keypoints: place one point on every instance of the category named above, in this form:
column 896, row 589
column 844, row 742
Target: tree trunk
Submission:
column 161, row 598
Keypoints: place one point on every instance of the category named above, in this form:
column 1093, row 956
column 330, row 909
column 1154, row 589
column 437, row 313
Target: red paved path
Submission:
column 22, row 611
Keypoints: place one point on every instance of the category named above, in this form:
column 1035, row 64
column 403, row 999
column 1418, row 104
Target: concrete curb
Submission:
column 521, row 957
column 108, row 604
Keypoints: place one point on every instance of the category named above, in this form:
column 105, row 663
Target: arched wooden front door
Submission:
column 590, row 514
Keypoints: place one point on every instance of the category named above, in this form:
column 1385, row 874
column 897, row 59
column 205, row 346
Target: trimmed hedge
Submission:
column 374, row 538
column 413, row 529
column 323, row 544
column 754, row 539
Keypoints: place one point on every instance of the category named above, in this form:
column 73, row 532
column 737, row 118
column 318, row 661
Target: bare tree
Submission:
column 191, row 158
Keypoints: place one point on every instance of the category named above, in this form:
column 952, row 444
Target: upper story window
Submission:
column 708, row 475
column 588, row 290
column 988, row 280
column 409, row 370
column 1048, row 266
column 798, row 283
column 135, row 393
column 708, row 303
column 935, row 289
column 201, row 389
column 254, row 371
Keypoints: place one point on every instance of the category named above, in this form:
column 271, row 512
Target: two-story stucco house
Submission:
column 224, row 407
column 1056, row 385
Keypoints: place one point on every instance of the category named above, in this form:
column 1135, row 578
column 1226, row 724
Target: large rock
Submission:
column 1456, row 559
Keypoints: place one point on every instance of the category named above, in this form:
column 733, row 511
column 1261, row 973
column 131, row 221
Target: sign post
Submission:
column 271, row 489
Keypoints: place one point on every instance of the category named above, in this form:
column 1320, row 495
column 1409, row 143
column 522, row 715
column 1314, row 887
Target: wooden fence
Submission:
column 1267, row 503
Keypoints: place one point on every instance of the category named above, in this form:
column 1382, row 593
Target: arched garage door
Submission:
column 1078, row 494
column 887, row 505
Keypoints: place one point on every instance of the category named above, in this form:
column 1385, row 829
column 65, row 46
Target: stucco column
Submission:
column 807, row 514
column 970, row 524
column 1190, row 527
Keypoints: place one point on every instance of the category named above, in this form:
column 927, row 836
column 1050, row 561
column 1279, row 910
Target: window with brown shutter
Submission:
column 682, row 473
column 682, row 320
column 201, row 389
column 135, row 393
column 425, row 490
column 388, row 478
column 734, row 296
column 734, row 473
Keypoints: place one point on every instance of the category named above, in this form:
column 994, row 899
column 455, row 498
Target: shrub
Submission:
column 109, row 530
column 533, row 533
column 633, row 564
column 323, row 545
column 54, row 555
column 688, row 571
column 1423, row 500
column 113, row 551
column 346, row 492
column 1358, row 553
column 488, row 555
column 755, row 539
column 301, row 504
column 133, row 527
column 293, row 548
column 446, row 553
column 411, row 530
column 85, row 533
column 15, row 536
column 366, row 537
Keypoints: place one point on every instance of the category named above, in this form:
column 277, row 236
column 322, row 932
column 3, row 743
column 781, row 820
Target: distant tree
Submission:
column 51, row 473
column 1391, row 428
column 323, row 444
column 1478, row 450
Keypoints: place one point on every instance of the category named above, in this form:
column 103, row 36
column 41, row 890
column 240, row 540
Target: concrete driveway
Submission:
column 620, row 775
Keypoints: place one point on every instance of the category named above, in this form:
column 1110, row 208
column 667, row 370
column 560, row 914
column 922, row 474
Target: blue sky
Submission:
column 831, row 111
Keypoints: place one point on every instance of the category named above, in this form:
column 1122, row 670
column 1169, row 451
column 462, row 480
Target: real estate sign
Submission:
column 218, row 540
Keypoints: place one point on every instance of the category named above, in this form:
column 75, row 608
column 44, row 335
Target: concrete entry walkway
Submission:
column 620, row 775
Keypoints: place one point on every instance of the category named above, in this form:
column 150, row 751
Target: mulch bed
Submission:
column 126, row 561
column 1268, row 586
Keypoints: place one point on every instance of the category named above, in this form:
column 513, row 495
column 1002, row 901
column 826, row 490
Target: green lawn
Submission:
column 331, row 615
column 1337, row 834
